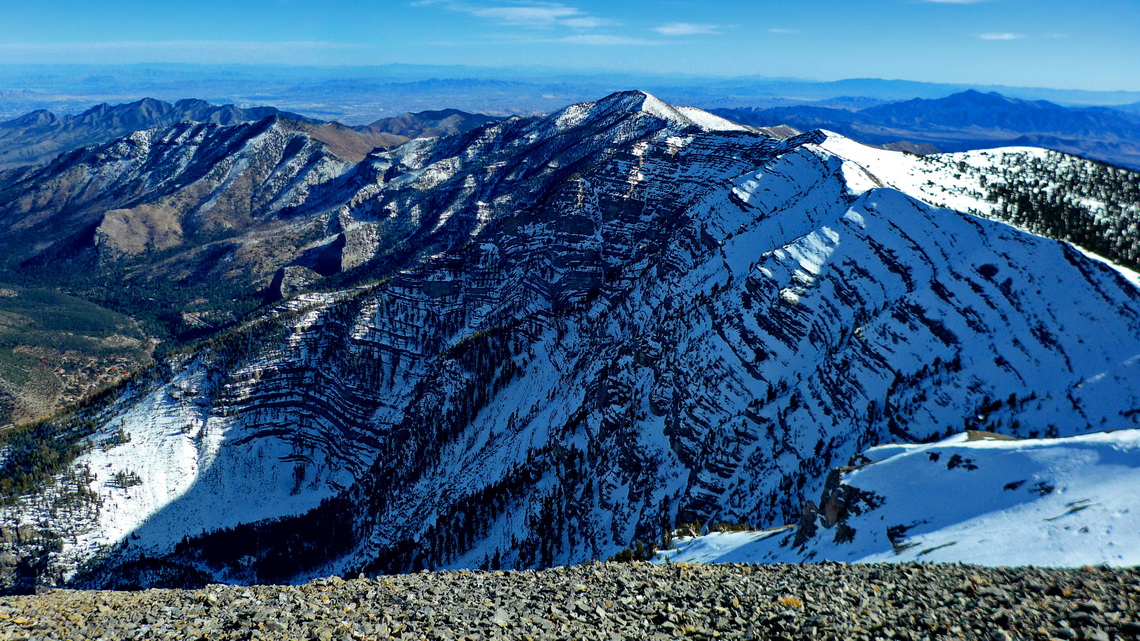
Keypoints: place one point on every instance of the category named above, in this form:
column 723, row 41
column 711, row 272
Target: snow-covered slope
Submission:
column 595, row 325
column 969, row 182
column 976, row 499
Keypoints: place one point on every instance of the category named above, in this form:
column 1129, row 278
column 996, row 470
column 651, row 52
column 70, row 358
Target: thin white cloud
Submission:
column 783, row 31
column 525, row 19
column 587, row 22
column 531, row 15
column 599, row 40
column 1003, row 35
column 688, row 29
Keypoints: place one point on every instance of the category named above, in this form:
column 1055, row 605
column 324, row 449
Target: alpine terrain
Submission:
column 183, row 225
column 539, row 341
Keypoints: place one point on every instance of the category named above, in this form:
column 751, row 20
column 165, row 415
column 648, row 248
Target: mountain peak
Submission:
column 973, row 95
column 632, row 99
column 637, row 100
column 644, row 102
column 192, row 103
column 37, row 118
column 98, row 109
column 428, row 123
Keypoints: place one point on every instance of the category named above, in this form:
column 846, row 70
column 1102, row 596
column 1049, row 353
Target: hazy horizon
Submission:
column 357, row 95
column 1020, row 43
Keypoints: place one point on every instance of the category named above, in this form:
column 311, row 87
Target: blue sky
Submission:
column 1049, row 43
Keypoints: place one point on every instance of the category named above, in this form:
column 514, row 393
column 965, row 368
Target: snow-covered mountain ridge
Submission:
column 598, row 324
column 1044, row 192
column 1062, row 502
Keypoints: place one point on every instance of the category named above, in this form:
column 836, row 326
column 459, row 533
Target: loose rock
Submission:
column 615, row 601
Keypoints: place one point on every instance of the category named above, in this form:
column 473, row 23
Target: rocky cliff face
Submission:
column 593, row 325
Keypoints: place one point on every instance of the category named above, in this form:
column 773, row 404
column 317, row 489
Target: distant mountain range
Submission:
column 358, row 95
column 38, row 136
column 958, row 122
column 969, row 120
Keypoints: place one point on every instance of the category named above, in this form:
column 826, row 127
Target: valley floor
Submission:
column 616, row 601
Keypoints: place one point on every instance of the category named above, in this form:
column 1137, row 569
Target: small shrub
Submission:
column 125, row 479
column 729, row 527
column 689, row 529
column 790, row 602
column 639, row 552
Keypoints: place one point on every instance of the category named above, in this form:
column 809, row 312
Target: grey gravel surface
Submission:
column 615, row 601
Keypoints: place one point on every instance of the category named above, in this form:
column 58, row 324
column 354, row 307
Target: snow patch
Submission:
column 1054, row 502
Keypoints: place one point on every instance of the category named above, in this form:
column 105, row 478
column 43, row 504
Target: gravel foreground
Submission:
column 615, row 601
